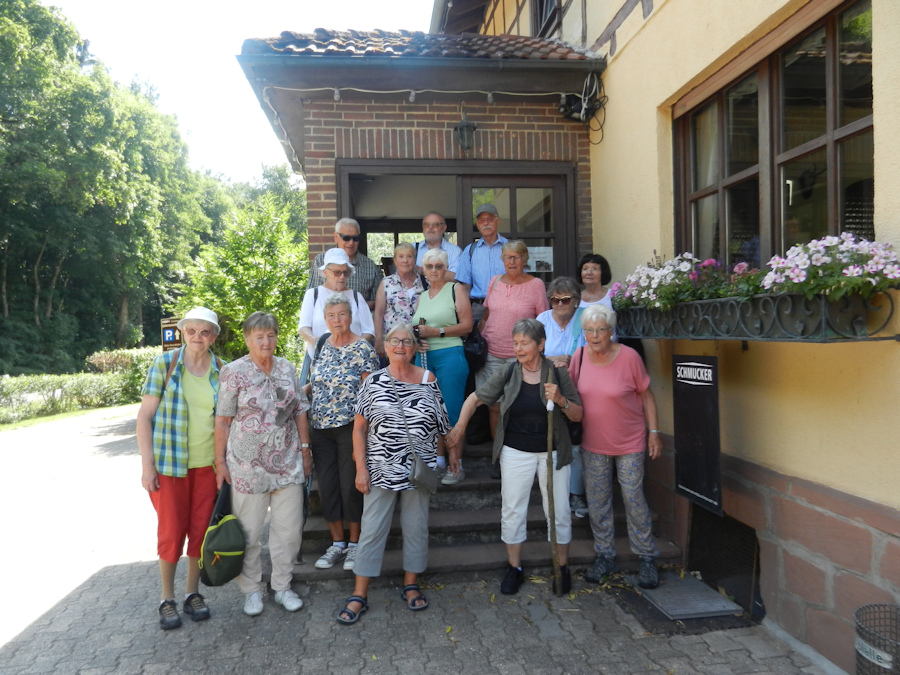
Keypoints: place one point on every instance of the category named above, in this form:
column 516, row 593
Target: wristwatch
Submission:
column 442, row 332
column 304, row 446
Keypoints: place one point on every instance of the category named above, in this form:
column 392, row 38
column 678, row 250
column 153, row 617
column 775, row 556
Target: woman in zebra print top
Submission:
column 397, row 406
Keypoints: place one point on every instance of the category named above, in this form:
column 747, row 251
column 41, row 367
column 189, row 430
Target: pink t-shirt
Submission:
column 507, row 304
column 611, row 395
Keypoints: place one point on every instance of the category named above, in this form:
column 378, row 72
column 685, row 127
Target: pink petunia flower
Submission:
column 853, row 271
column 797, row 275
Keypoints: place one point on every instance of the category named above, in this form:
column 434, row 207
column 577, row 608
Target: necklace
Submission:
column 536, row 370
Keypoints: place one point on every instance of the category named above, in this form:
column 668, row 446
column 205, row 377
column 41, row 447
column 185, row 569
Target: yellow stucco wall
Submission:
column 827, row 413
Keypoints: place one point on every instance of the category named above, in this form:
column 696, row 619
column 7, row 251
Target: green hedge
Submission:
column 116, row 379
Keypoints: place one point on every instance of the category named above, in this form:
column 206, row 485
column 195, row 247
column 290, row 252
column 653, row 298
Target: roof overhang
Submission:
column 283, row 83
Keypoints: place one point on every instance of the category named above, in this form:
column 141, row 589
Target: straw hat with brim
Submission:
column 336, row 256
column 200, row 314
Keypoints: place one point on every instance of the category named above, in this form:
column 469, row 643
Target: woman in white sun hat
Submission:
column 175, row 427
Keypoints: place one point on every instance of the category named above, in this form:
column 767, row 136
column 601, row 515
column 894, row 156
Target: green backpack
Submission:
column 222, row 552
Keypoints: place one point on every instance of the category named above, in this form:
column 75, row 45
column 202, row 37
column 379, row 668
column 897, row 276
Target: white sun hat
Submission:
column 200, row 314
column 336, row 256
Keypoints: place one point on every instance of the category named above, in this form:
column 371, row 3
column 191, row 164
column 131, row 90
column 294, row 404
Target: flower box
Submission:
column 785, row 317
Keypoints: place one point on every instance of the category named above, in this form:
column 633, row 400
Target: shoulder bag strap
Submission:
column 409, row 442
column 170, row 371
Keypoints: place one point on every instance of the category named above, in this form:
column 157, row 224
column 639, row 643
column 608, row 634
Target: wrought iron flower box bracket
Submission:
column 775, row 318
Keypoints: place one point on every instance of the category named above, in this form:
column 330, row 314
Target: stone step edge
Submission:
column 464, row 520
column 489, row 556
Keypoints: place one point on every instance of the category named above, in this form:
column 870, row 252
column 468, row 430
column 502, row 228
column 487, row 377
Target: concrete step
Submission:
column 446, row 560
column 462, row 526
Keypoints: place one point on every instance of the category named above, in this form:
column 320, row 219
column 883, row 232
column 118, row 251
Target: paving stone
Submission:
column 104, row 619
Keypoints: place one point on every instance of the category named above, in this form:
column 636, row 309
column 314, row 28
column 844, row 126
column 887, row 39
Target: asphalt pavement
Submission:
column 82, row 594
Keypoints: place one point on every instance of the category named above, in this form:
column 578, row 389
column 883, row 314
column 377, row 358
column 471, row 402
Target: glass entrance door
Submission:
column 532, row 209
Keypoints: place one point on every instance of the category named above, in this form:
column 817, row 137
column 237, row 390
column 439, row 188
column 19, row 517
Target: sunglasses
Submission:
column 338, row 273
column 434, row 267
column 394, row 342
column 191, row 332
column 561, row 301
column 350, row 237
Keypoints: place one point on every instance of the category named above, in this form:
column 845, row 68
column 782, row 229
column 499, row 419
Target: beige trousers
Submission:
column 284, row 535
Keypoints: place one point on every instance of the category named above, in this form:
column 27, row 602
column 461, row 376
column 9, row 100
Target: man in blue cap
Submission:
column 481, row 260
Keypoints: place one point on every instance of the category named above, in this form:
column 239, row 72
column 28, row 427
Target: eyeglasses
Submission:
column 434, row 267
column 338, row 273
column 350, row 237
column 428, row 226
column 395, row 342
column 512, row 258
column 596, row 331
column 561, row 301
column 191, row 332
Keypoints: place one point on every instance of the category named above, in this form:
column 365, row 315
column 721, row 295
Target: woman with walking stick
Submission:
column 521, row 442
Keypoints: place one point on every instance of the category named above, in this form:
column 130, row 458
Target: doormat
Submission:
column 684, row 597
column 633, row 600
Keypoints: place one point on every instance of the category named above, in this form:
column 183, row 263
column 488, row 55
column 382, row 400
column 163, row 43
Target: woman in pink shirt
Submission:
column 511, row 296
column 615, row 392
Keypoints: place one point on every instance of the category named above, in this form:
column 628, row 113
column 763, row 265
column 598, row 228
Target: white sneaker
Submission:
column 350, row 560
column 253, row 605
column 453, row 478
column 289, row 600
column 330, row 557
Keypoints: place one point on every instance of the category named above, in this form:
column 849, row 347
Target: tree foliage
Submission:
column 260, row 263
column 99, row 210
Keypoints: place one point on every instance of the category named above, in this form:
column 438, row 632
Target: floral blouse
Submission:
column 335, row 380
column 400, row 306
column 263, row 451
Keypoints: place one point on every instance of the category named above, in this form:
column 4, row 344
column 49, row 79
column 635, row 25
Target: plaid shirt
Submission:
column 170, row 424
column 365, row 278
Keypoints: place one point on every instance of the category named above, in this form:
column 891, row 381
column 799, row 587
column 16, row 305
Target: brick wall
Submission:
column 823, row 553
column 370, row 129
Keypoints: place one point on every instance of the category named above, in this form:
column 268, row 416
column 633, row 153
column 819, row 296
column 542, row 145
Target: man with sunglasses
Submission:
column 366, row 274
column 433, row 227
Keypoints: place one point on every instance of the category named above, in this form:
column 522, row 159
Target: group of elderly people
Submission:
column 256, row 425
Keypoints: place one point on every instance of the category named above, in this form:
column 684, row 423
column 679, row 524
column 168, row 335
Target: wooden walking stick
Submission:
column 557, row 572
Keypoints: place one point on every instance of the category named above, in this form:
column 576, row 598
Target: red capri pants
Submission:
column 184, row 506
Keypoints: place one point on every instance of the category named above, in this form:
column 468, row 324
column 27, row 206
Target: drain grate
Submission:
column 686, row 598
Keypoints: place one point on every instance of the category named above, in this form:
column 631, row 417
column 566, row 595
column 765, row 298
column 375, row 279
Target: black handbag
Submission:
column 475, row 350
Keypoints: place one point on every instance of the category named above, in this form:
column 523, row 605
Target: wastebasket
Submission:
column 877, row 639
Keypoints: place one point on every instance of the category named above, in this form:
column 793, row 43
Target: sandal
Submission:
column 348, row 616
column 411, row 602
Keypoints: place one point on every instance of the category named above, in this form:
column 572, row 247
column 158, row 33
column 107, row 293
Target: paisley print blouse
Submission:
column 263, row 451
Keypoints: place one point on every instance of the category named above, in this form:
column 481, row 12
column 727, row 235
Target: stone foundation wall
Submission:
column 823, row 553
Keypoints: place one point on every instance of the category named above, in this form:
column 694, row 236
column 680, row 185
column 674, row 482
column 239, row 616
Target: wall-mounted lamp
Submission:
column 465, row 133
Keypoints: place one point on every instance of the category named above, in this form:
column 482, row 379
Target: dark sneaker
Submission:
column 603, row 566
column 196, row 608
column 168, row 615
column 578, row 506
column 648, row 577
column 511, row 582
column 566, row 580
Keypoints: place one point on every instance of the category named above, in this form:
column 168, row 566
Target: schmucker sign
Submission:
column 696, row 403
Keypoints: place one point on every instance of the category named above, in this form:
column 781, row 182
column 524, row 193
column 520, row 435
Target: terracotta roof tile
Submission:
column 408, row 44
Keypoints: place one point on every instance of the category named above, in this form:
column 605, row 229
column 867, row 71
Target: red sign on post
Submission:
column 171, row 336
